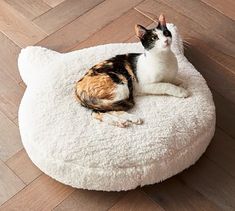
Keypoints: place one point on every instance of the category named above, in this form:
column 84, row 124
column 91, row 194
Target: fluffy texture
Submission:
column 65, row 142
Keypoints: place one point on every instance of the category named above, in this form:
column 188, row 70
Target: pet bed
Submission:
column 65, row 142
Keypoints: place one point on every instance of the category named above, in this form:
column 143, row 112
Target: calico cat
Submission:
column 109, row 87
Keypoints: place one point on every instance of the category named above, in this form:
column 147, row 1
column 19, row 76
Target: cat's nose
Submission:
column 166, row 41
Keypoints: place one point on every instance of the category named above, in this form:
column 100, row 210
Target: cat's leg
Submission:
column 117, row 118
column 162, row 89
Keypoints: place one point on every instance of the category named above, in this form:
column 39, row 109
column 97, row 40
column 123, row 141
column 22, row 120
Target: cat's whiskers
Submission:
column 186, row 43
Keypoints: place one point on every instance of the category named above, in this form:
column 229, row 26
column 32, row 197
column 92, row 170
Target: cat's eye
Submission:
column 154, row 37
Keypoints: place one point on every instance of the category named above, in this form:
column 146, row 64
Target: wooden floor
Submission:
column 64, row 25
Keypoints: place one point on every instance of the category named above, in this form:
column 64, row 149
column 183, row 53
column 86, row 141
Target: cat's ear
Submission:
column 162, row 20
column 140, row 31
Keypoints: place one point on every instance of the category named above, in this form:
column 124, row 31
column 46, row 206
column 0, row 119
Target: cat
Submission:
column 109, row 87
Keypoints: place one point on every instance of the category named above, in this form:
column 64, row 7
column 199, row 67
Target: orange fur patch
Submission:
column 98, row 86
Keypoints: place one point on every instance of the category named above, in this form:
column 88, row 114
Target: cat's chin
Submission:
column 166, row 46
column 164, row 49
column 159, row 50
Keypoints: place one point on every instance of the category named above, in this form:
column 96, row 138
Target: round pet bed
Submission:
column 65, row 142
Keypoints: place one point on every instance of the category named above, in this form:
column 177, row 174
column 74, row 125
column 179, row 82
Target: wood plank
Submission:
column 16, row 27
column 172, row 194
column 205, row 16
column 188, row 26
column 136, row 200
column 9, row 52
column 87, row 24
column 30, row 9
column 219, row 73
column 23, row 167
column 216, row 68
column 89, row 200
column 221, row 151
column 132, row 39
column 44, row 193
column 217, row 56
column 10, row 95
column 67, row 11
column 225, row 114
column 15, row 121
column 117, row 31
column 225, row 7
column 10, row 184
column 212, row 182
column 184, row 24
column 10, row 142
column 53, row 3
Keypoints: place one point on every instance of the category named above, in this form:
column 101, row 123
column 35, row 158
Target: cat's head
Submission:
column 157, row 39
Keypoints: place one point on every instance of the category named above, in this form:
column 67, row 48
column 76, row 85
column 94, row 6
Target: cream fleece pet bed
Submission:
column 65, row 142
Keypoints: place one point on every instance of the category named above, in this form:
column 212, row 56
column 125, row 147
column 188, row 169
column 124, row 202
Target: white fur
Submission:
column 65, row 142
column 157, row 67
column 121, row 92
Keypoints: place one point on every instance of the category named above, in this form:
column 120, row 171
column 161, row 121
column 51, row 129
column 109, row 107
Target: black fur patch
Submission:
column 165, row 30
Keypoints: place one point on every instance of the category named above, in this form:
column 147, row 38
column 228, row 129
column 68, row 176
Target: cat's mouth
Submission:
column 166, row 45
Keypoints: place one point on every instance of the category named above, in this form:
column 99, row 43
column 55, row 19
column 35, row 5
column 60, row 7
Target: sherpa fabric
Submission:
column 65, row 142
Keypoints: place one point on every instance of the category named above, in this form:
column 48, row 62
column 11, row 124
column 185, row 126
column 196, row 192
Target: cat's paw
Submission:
column 131, row 118
column 135, row 120
column 111, row 119
column 121, row 123
column 182, row 93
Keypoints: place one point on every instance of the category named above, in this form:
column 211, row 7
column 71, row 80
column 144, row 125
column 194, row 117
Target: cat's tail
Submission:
column 103, row 105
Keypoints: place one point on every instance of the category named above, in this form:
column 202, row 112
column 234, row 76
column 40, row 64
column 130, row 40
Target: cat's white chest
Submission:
column 153, row 69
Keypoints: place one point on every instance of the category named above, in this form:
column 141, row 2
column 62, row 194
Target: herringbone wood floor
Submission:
column 65, row 25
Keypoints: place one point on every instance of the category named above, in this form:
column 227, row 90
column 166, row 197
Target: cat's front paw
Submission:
column 182, row 93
